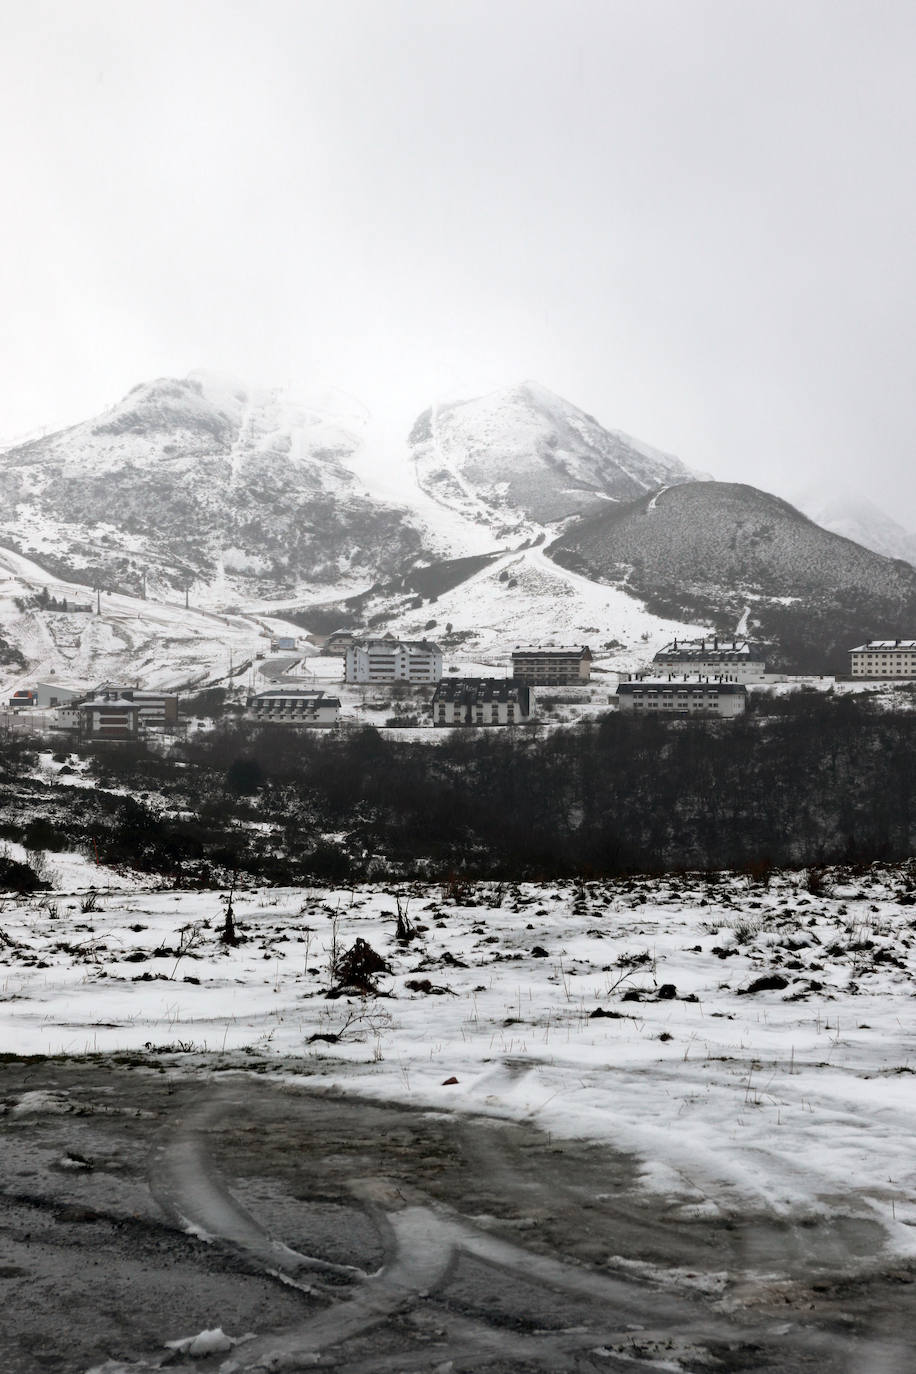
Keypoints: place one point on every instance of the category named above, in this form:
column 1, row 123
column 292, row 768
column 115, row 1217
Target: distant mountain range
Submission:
column 256, row 502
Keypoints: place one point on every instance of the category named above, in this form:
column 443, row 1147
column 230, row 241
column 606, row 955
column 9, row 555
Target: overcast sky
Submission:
column 694, row 218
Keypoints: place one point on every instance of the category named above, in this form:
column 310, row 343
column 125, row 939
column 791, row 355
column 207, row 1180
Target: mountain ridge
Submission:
column 704, row 549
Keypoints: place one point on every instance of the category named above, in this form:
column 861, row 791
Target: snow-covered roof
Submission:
column 558, row 651
column 481, row 689
column 884, row 645
column 682, row 684
column 712, row 650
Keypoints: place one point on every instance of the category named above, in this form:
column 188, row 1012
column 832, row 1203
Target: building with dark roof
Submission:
column 732, row 660
column 550, row 667
column 684, row 696
column 293, row 706
column 481, row 701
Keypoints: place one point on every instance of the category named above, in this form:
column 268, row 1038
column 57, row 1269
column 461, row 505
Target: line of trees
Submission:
column 816, row 780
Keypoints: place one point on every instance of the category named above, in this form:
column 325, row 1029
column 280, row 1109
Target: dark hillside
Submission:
column 708, row 550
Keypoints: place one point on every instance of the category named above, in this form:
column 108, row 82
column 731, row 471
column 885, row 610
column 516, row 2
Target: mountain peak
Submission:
column 524, row 454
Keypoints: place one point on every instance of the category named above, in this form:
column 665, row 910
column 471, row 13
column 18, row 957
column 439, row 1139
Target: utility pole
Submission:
column 98, row 600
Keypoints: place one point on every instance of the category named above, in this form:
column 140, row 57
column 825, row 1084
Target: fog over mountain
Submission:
column 689, row 219
column 856, row 517
column 511, row 516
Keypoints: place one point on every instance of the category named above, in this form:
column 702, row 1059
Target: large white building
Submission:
column 688, row 696
column 729, row 660
column 884, row 658
column 393, row 660
column 293, row 706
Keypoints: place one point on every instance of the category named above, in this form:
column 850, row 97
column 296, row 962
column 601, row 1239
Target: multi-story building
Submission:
column 734, row 660
column 393, row 660
column 552, row 667
column 687, row 696
column 481, row 701
column 114, row 718
column 294, row 706
column 884, row 658
column 157, row 710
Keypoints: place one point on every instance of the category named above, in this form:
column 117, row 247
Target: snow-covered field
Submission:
column 631, row 1012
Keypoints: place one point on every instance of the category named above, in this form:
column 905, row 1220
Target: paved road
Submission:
column 143, row 1204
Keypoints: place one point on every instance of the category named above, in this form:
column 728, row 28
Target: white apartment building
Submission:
column 688, row 696
column 294, row 706
column 884, row 658
column 730, row 660
column 393, row 660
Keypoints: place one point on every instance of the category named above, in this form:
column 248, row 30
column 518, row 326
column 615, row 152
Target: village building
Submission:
column 157, row 710
column 293, row 706
column 730, row 660
column 393, row 660
column 685, row 696
column 284, row 642
column 23, row 699
column 549, row 667
column 48, row 694
column 482, row 701
column 112, row 718
column 337, row 642
column 884, row 658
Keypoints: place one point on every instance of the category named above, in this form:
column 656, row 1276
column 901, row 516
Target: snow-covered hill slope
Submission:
column 526, row 455
column 520, row 597
column 203, row 480
column 160, row 644
column 855, row 517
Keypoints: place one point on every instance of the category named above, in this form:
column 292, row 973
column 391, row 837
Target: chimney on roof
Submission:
column 896, row 643
column 715, row 643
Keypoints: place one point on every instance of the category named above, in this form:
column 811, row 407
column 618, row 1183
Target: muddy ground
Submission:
column 142, row 1202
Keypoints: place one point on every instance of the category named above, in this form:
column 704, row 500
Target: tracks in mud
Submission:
column 482, row 1296
column 139, row 1207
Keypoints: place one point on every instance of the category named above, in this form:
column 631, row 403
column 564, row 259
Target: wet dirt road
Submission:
column 143, row 1204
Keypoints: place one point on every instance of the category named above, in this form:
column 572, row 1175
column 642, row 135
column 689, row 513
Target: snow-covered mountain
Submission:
column 264, row 506
column 525, row 456
column 203, row 480
column 856, row 517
